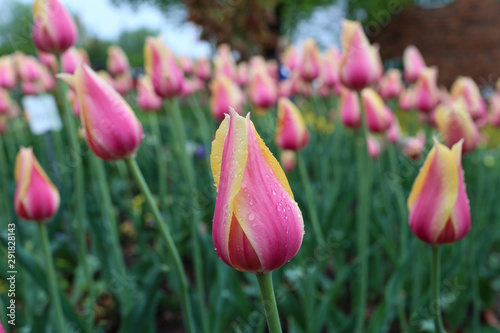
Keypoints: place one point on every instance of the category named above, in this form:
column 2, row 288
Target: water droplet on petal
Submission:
column 251, row 216
column 274, row 192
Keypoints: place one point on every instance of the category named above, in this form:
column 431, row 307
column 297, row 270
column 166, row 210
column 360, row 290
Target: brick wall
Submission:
column 462, row 38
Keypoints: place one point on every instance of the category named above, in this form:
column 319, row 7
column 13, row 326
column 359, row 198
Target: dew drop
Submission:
column 251, row 216
column 251, row 202
column 283, row 195
column 279, row 207
column 274, row 192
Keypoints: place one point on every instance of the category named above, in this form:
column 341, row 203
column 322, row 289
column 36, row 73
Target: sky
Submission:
column 105, row 20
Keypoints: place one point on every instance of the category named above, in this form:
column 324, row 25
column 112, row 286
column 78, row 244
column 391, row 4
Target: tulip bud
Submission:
column 162, row 68
column 242, row 74
column 117, row 63
column 407, row 99
column 309, row 66
column 466, row 88
column 146, row 96
column 29, row 68
column 413, row 63
column 359, row 66
column 48, row 60
column 288, row 160
column 414, row 146
column 70, row 60
column 426, row 90
column 5, row 101
column 350, row 113
column 291, row 131
column 202, row 69
column 123, row 83
column 455, row 123
column 224, row 62
column 257, row 225
column 225, row 94
column 186, row 64
column 112, row 130
column 438, row 203
column 36, row 198
column 47, row 80
column 54, row 30
column 8, row 79
column 378, row 116
column 390, row 85
column 291, row 57
column 494, row 115
column 262, row 90
column 330, row 68
column 393, row 134
column 373, row 146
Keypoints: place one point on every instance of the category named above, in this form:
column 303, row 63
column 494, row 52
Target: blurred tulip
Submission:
column 257, row 225
column 349, row 108
column 291, row 131
column 262, row 90
column 162, row 68
column 8, row 78
column 494, row 115
column 146, row 96
column 31, row 88
column 330, row 67
column 5, row 101
column 242, row 74
column 466, row 88
column 47, row 80
column 374, row 147
column 202, row 69
column 414, row 146
column 426, row 90
column 106, row 77
column 378, row 116
column 406, row 100
column 413, row 63
column 359, row 66
column 455, row 123
column 285, row 88
column 29, row 68
column 70, row 60
column 112, row 130
column 186, row 64
column 117, row 63
column 54, row 30
column 310, row 63
column 36, row 198
column 225, row 94
column 73, row 101
column 272, row 69
column 288, row 160
column 123, row 83
column 49, row 60
column 390, row 85
column 393, row 134
column 291, row 57
column 376, row 62
column 438, row 203
column 224, row 62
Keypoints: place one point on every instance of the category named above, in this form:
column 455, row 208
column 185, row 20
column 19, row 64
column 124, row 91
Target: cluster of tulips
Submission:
column 257, row 224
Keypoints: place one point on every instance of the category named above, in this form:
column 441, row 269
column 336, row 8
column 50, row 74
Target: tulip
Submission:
column 272, row 69
column 359, row 66
column 48, row 60
column 414, row 147
column 242, row 74
column 202, row 69
column 291, row 131
column 393, row 134
column 5, row 101
column 112, row 130
column 438, row 203
column 54, row 30
column 413, row 63
column 225, row 94
column 285, row 88
column 390, row 85
column 310, row 64
column 146, row 96
column 330, row 68
column 257, row 225
column 262, row 90
column 47, row 80
column 455, row 123
column 288, row 160
column 466, row 88
column 224, row 62
column 291, row 57
column 8, row 78
column 29, row 68
column 162, row 68
column 30, row 88
column 123, row 83
column 70, row 60
column 350, row 113
column 407, row 99
column 378, row 116
column 106, row 77
column 186, row 64
column 117, row 63
column 376, row 62
column 494, row 115
column 36, row 198
column 373, row 146
column 426, row 90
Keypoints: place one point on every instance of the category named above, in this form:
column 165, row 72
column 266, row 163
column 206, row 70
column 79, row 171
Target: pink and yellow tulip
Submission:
column 8, row 77
column 466, row 88
column 426, row 90
column 146, row 96
column 349, row 108
column 291, row 130
column 117, row 63
column 202, row 69
column 390, row 86
column 413, row 63
column 378, row 116
column 310, row 63
column 262, row 90
column 225, row 94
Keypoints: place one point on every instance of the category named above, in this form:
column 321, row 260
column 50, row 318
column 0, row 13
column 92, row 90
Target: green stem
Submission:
column 311, row 207
column 178, row 130
column 269, row 300
column 363, row 216
column 139, row 178
column 4, row 183
column 435, row 281
column 162, row 163
column 51, row 276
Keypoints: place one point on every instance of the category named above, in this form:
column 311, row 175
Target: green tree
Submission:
column 15, row 28
column 132, row 42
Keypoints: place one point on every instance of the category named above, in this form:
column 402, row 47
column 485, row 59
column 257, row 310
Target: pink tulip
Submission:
column 146, row 96
column 8, row 78
column 49, row 60
column 466, row 88
column 288, row 159
column 414, row 146
column 54, row 30
column 330, row 68
column 29, row 68
column 285, row 88
column 123, row 83
column 374, row 147
column 47, row 80
column 291, row 130
column 117, row 63
column 272, row 69
column 407, row 99
column 291, row 57
column 257, row 225
column 413, row 63
column 390, row 85
column 112, row 130
column 202, row 69
column 378, row 116
column 359, row 66
column 5, row 101
column 31, row 88
column 186, row 64
column 455, row 123
column 242, row 74
column 262, row 90
column 438, row 203
column 225, row 94
column 70, row 60
column 350, row 113
column 162, row 68
column 426, row 90
column 224, row 62
column 310, row 63
column 494, row 115
column 36, row 198
column 393, row 134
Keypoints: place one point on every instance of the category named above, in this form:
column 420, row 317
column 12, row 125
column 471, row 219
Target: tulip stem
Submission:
column 311, row 207
column 363, row 215
column 435, row 281
column 162, row 165
column 165, row 233
column 51, row 276
column 269, row 300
